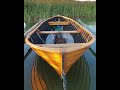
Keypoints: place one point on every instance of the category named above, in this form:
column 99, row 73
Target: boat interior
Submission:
column 59, row 30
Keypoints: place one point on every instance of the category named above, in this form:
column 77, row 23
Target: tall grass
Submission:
column 39, row 9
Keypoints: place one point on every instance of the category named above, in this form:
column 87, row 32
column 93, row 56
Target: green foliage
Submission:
column 40, row 9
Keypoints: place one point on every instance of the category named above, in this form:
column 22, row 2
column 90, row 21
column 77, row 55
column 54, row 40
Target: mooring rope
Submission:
column 64, row 81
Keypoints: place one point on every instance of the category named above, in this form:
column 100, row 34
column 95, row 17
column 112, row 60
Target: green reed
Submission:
column 40, row 9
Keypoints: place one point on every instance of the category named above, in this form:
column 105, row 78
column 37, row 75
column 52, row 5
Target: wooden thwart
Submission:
column 59, row 23
column 55, row 32
column 61, row 45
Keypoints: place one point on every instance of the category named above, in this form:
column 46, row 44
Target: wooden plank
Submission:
column 59, row 23
column 55, row 32
column 61, row 45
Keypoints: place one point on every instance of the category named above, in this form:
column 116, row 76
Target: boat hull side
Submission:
column 72, row 57
column 55, row 59
column 52, row 58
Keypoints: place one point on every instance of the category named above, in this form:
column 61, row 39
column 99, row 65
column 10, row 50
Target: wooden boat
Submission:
column 60, row 41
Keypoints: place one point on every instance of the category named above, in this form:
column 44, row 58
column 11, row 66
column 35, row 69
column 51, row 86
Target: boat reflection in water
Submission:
column 44, row 76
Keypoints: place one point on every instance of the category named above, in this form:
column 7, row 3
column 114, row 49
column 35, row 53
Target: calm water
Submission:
column 82, row 75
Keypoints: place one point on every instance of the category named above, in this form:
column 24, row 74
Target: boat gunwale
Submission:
column 58, row 50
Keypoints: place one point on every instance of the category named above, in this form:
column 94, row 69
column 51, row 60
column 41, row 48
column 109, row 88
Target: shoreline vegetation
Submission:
column 34, row 10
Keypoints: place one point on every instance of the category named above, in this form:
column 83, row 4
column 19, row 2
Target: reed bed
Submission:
column 34, row 10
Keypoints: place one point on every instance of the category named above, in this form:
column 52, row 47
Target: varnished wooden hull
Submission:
column 55, row 59
column 62, row 56
column 72, row 57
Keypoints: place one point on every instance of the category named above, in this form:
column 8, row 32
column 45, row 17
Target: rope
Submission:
column 64, row 81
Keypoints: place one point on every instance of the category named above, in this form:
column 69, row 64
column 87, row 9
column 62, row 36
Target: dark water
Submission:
column 91, row 26
column 82, row 75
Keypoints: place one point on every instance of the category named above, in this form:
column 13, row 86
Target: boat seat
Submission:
column 59, row 23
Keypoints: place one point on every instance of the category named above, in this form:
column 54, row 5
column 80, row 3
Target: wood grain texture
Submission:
column 59, row 23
